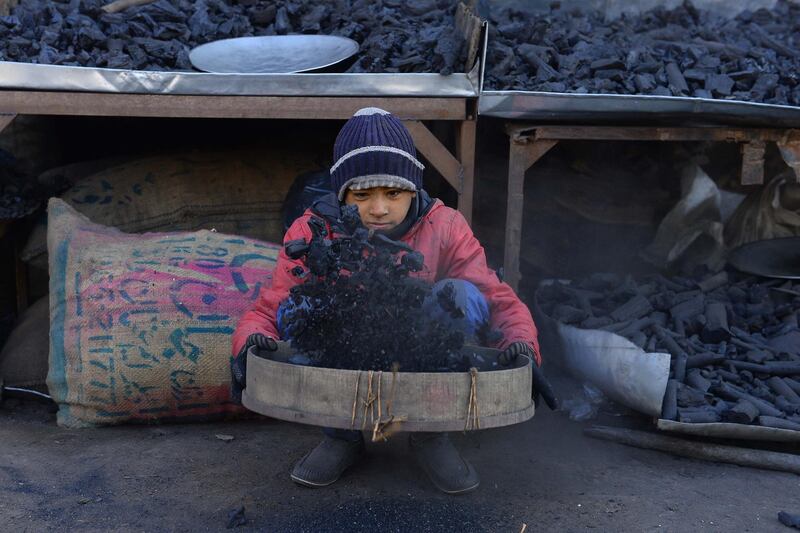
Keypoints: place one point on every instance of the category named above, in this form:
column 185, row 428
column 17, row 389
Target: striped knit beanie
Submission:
column 374, row 149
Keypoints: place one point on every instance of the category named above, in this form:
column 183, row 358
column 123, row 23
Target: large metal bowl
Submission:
column 425, row 401
column 272, row 54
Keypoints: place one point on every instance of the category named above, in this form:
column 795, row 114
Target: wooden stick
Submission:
column 355, row 401
column 395, row 369
column 120, row 5
column 783, row 462
column 380, row 378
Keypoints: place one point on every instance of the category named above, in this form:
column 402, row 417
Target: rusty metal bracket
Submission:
column 752, row 172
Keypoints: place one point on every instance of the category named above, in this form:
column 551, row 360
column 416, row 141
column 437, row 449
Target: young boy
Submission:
column 376, row 168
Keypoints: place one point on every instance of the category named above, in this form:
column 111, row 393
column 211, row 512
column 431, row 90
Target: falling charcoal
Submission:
column 357, row 282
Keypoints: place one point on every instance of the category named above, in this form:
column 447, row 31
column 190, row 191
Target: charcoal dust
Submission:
column 414, row 36
column 684, row 51
column 734, row 340
column 359, row 307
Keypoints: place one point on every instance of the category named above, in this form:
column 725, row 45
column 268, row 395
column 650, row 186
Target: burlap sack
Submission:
column 770, row 212
column 23, row 360
column 140, row 325
column 239, row 192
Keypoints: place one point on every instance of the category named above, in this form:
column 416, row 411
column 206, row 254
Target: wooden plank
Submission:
column 435, row 152
column 521, row 156
column 752, row 171
column 514, row 212
column 465, row 151
column 658, row 134
column 193, row 106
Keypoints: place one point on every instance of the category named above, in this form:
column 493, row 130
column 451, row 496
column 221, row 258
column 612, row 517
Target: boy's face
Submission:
column 381, row 208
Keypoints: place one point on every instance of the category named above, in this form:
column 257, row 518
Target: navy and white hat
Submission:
column 374, row 149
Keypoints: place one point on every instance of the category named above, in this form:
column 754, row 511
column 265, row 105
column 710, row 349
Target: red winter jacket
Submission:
column 450, row 250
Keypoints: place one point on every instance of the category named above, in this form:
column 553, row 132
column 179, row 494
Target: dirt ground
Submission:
column 543, row 473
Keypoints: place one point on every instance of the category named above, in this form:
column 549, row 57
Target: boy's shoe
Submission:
column 440, row 459
column 324, row 464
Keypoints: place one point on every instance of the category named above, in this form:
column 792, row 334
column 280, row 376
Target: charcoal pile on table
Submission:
column 395, row 36
column 358, row 308
column 680, row 52
column 734, row 339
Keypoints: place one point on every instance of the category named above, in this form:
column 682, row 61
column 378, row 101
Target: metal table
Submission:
column 537, row 121
column 32, row 89
column 529, row 142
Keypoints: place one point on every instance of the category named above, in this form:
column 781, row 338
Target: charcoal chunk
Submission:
column 719, row 84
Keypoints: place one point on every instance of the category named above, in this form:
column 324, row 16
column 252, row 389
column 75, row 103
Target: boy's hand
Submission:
column 540, row 383
column 510, row 354
column 239, row 364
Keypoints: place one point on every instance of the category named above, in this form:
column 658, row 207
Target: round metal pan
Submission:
column 272, row 54
column 422, row 401
column 771, row 258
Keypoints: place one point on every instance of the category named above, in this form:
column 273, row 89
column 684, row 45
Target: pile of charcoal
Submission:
column 680, row 52
column 358, row 308
column 734, row 339
column 395, row 36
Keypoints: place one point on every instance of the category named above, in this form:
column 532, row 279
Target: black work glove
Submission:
column 239, row 363
column 540, row 383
